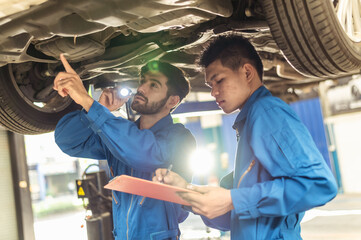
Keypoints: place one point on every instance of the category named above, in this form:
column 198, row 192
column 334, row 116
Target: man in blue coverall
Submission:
column 278, row 172
column 131, row 148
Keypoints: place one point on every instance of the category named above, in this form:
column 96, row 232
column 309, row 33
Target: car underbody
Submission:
column 300, row 42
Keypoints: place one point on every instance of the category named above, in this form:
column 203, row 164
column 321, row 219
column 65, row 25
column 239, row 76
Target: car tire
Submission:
column 311, row 37
column 19, row 114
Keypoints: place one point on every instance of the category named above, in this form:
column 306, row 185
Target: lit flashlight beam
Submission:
column 125, row 92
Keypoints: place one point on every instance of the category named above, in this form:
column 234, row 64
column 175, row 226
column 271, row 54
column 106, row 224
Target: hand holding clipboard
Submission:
column 146, row 188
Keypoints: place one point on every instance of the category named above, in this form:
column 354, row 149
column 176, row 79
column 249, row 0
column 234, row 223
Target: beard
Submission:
column 148, row 108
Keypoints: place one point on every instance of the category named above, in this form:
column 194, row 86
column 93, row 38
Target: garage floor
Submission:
column 338, row 220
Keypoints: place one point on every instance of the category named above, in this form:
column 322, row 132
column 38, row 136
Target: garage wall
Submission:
column 347, row 134
column 8, row 229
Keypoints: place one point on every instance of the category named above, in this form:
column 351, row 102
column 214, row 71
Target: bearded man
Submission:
column 131, row 148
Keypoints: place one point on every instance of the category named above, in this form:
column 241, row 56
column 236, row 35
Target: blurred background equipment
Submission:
column 98, row 201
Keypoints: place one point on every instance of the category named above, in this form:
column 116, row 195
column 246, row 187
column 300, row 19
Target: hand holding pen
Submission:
column 167, row 172
column 169, row 177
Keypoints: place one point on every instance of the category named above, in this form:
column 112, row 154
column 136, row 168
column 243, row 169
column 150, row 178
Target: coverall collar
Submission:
column 260, row 92
column 158, row 125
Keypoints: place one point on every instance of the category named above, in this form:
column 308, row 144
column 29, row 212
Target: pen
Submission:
column 168, row 170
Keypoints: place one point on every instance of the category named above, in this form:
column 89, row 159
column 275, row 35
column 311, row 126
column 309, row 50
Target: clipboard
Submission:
column 146, row 188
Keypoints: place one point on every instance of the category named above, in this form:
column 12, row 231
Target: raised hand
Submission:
column 110, row 99
column 69, row 83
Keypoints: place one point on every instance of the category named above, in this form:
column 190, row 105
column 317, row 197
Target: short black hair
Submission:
column 178, row 84
column 233, row 51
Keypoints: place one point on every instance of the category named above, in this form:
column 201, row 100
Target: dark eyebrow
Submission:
column 212, row 79
column 142, row 79
column 214, row 76
column 155, row 80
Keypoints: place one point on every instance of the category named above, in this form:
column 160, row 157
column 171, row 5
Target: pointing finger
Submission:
column 61, row 76
column 66, row 65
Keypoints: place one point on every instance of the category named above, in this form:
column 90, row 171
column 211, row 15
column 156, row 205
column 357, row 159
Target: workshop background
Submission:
column 333, row 119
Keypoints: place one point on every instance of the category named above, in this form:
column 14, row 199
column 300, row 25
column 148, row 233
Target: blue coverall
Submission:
column 98, row 134
column 278, row 174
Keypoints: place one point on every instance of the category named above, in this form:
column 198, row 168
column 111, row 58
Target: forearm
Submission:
column 282, row 196
column 75, row 138
column 222, row 223
column 79, row 135
column 86, row 102
column 139, row 149
column 285, row 154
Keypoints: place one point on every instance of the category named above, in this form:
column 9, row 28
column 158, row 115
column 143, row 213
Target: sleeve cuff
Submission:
column 242, row 208
column 97, row 115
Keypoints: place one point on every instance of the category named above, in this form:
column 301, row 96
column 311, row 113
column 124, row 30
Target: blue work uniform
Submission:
column 278, row 174
column 98, row 134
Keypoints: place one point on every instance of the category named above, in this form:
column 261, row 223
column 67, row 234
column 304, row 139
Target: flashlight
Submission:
column 125, row 92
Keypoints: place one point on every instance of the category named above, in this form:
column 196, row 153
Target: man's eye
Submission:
column 153, row 85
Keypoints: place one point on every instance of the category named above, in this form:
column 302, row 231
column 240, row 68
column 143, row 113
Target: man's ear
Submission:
column 249, row 71
column 173, row 101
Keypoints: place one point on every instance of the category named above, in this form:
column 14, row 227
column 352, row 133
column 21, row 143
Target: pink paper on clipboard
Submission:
column 146, row 188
